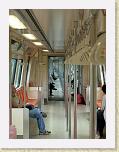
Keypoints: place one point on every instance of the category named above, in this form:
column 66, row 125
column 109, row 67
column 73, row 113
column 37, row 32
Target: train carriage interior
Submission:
column 57, row 62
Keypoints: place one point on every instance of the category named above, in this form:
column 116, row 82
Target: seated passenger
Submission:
column 34, row 112
column 80, row 99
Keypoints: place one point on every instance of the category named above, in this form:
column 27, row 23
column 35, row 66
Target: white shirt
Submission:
column 104, row 106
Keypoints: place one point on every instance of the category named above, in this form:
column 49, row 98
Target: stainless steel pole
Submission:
column 75, row 83
column 38, row 71
column 66, row 95
column 81, row 79
column 10, row 89
column 93, row 87
column 24, row 80
column 75, row 101
column 24, row 73
column 69, row 98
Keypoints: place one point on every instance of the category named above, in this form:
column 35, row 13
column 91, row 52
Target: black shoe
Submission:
column 44, row 114
column 54, row 89
column 45, row 133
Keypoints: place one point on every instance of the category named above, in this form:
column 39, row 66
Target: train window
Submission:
column 101, row 73
column 16, row 46
column 27, row 69
column 13, row 70
column 18, row 72
column 98, row 75
column 104, row 73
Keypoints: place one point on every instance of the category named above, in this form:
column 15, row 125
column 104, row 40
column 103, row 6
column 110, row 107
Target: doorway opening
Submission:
column 56, row 78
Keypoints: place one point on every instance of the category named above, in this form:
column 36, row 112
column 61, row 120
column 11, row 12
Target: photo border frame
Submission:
column 109, row 142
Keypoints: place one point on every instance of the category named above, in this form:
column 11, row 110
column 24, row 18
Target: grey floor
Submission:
column 56, row 121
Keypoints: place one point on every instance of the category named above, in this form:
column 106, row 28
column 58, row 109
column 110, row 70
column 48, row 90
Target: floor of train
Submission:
column 56, row 121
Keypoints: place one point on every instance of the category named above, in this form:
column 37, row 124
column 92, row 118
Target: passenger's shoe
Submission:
column 101, row 138
column 97, row 136
column 54, row 89
column 44, row 114
column 44, row 133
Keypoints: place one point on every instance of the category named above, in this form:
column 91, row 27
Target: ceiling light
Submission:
column 29, row 36
column 15, row 23
column 38, row 43
column 45, row 50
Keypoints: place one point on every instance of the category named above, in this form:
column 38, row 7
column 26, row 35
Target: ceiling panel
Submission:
column 56, row 23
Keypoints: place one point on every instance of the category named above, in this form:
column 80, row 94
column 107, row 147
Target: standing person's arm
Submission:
column 104, row 102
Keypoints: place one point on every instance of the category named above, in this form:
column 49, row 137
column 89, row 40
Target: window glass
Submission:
column 98, row 74
column 18, row 72
column 27, row 69
column 103, row 72
column 16, row 46
column 13, row 69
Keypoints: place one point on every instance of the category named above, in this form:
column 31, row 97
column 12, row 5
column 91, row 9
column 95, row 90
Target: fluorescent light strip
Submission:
column 38, row 43
column 29, row 36
column 15, row 23
column 45, row 50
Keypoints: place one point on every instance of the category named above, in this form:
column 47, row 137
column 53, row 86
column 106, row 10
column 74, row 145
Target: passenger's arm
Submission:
column 16, row 103
column 36, row 103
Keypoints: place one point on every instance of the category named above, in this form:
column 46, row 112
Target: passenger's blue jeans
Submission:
column 36, row 113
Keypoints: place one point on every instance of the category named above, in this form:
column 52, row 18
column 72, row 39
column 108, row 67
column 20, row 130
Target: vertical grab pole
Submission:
column 69, row 96
column 79, row 82
column 75, row 101
column 10, row 90
column 25, row 126
column 93, row 101
column 24, row 78
column 24, row 75
column 38, row 70
column 66, row 96
column 81, row 78
column 75, row 84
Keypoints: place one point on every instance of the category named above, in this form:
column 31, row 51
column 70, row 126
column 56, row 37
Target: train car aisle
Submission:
column 56, row 121
column 83, row 117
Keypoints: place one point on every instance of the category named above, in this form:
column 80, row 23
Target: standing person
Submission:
column 104, row 108
column 51, row 85
column 101, row 115
column 99, row 96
